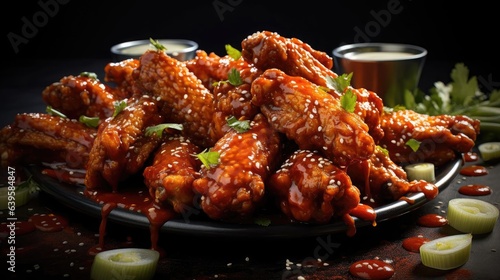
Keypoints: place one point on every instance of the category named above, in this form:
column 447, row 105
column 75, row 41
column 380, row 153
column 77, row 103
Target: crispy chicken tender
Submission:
column 122, row 147
column 311, row 117
column 35, row 137
column 187, row 100
column 120, row 74
column 267, row 50
column 170, row 177
column 380, row 180
column 75, row 96
column 441, row 137
column 310, row 188
column 234, row 188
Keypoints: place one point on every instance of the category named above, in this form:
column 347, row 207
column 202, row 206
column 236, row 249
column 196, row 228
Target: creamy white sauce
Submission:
column 140, row 49
column 372, row 56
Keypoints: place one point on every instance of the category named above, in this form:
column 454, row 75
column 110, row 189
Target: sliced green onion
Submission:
column 489, row 150
column 126, row 263
column 446, row 252
column 472, row 215
column 421, row 171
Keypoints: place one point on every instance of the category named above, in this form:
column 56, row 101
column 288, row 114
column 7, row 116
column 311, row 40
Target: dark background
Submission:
column 451, row 32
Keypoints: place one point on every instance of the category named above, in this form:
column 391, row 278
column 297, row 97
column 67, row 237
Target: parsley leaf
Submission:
column 119, row 106
column 91, row 75
column 340, row 83
column 234, row 77
column 348, row 101
column 238, row 125
column 209, row 158
column 159, row 128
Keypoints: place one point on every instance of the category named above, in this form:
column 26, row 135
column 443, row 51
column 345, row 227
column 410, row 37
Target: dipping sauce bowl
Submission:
column 387, row 69
column 177, row 48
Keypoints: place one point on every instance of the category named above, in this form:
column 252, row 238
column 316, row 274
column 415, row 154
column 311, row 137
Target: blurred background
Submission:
column 71, row 29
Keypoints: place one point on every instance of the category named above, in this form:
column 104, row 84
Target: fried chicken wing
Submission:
column 187, row 101
column 211, row 68
column 267, row 50
column 310, row 188
column 122, row 147
column 311, row 117
column 35, row 137
column 170, row 177
column 235, row 187
column 441, row 137
column 75, row 96
column 381, row 180
column 120, row 74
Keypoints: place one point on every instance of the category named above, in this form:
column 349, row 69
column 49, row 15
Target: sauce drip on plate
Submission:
column 474, row 190
column 371, row 269
column 412, row 244
column 432, row 220
column 474, row 170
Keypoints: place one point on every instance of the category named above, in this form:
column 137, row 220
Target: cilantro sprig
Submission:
column 238, row 125
column 159, row 128
column 461, row 96
column 209, row 158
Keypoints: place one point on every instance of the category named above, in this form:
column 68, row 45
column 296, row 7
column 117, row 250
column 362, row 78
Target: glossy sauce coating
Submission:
column 432, row 220
column 474, row 170
column 475, row 190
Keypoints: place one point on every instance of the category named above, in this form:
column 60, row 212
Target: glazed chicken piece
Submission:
column 380, row 180
column 235, row 187
column 122, row 146
column 35, row 137
column 211, row 68
column 75, row 96
column 267, row 50
column 120, row 74
column 311, row 117
column 310, row 188
column 441, row 137
column 170, row 177
column 187, row 101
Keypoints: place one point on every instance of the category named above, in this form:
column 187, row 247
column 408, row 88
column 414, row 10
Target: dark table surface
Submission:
column 64, row 254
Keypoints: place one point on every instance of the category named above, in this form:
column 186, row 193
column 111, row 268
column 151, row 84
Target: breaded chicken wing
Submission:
column 310, row 188
column 120, row 74
column 235, row 187
column 75, row 96
column 380, row 180
column 187, row 100
column 267, row 50
column 35, row 137
column 122, row 147
column 311, row 117
column 170, row 177
column 441, row 137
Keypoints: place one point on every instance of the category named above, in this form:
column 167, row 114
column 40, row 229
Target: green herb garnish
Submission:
column 91, row 75
column 159, row 128
column 158, row 46
column 461, row 96
column 30, row 184
column 348, row 101
column 262, row 221
column 238, row 125
column 413, row 144
column 119, row 106
column 234, row 77
column 340, row 83
column 209, row 158
column 53, row 112
column 383, row 150
column 89, row 121
column 232, row 52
